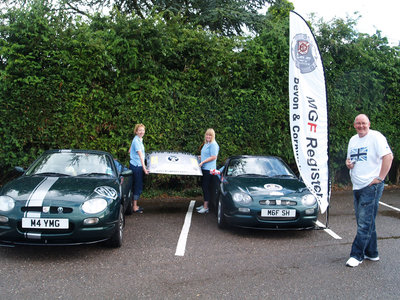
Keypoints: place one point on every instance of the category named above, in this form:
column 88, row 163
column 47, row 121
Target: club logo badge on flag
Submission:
column 303, row 53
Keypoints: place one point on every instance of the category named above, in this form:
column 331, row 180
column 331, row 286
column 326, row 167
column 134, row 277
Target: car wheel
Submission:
column 129, row 208
column 116, row 240
column 220, row 214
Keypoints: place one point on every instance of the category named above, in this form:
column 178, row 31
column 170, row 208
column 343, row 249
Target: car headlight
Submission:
column 308, row 200
column 242, row 198
column 94, row 206
column 6, row 203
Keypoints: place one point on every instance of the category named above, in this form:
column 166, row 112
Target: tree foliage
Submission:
column 71, row 82
column 227, row 17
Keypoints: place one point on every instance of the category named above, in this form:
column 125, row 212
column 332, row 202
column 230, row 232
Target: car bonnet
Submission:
column 39, row 190
column 256, row 186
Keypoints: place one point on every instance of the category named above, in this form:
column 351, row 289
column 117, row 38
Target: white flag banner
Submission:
column 174, row 163
column 308, row 110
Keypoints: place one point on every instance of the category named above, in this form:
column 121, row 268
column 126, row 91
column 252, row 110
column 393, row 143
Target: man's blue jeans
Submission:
column 366, row 202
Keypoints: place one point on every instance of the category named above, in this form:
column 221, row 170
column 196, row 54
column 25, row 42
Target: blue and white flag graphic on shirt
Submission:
column 359, row 154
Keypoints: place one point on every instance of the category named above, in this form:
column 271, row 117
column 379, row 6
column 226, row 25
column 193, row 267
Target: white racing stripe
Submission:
column 387, row 205
column 33, row 236
column 180, row 248
column 328, row 231
column 38, row 194
column 33, row 214
column 36, row 199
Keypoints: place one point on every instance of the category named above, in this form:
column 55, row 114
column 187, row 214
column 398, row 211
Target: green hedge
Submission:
column 69, row 83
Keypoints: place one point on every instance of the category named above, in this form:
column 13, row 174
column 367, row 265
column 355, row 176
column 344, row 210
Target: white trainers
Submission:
column 353, row 262
column 371, row 258
column 203, row 210
column 199, row 207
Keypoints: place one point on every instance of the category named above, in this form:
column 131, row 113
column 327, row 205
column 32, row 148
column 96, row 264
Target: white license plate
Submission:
column 43, row 223
column 279, row 213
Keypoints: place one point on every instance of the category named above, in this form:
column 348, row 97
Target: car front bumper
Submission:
column 253, row 219
column 13, row 234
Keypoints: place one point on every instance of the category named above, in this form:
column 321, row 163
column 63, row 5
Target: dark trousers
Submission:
column 207, row 185
column 137, row 185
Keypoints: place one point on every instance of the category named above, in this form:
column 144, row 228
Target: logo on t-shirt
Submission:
column 359, row 154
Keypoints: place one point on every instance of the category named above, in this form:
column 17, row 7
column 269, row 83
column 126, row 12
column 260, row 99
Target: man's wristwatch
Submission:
column 380, row 179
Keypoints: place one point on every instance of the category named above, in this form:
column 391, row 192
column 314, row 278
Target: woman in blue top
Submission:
column 208, row 161
column 137, row 165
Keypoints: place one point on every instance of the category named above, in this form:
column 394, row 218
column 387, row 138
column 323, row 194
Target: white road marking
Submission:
column 335, row 236
column 180, row 248
column 328, row 231
column 387, row 205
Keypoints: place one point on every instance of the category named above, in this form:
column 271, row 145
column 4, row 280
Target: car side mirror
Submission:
column 19, row 169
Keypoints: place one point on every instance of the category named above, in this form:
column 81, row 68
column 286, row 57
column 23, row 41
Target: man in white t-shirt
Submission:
column 369, row 159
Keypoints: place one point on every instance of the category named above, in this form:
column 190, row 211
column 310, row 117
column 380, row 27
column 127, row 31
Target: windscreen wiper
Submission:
column 52, row 174
column 94, row 174
column 251, row 175
column 284, row 175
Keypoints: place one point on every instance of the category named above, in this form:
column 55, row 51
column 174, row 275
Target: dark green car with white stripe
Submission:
column 66, row 197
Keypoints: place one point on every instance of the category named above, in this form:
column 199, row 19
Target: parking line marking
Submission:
column 387, row 205
column 328, row 231
column 335, row 236
column 180, row 248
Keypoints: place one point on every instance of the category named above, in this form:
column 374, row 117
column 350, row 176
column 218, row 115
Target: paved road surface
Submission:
column 217, row 264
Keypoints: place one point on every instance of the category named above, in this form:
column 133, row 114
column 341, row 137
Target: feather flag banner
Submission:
column 308, row 110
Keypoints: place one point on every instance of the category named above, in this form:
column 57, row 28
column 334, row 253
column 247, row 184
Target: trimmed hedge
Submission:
column 68, row 83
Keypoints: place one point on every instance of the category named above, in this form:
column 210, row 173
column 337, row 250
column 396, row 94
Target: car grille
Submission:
column 278, row 202
column 54, row 212
column 53, row 209
column 276, row 218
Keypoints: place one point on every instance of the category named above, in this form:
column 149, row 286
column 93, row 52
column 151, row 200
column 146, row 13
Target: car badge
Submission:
column 46, row 209
column 60, row 210
column 106, row 191
column 278, row 202
column 273, row 187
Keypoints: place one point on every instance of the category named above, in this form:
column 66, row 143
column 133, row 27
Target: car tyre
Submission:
column 221, row 221
column 129, row 208
column 116, row 239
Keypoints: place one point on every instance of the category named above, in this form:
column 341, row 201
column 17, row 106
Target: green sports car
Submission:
column 263, row 192
column 66, row 197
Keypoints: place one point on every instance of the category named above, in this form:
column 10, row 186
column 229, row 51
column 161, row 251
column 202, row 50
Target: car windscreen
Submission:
column 72, row 164
column 258, row 166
